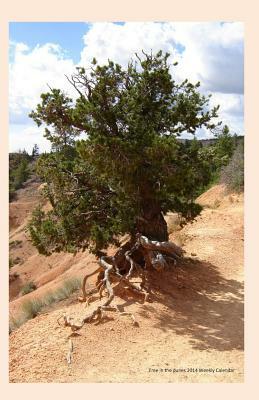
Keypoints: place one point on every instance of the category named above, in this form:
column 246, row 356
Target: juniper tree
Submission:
column 224, row 147
column 129, row 169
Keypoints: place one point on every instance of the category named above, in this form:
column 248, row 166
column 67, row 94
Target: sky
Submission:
column 41, row 53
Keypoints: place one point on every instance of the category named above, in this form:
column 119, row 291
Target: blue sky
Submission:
column 69, row 35
column 41, row 53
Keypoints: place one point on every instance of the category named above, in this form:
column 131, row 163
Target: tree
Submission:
column 18, row 171
column 224, row 148
column 35, row 151
column 128, row 171
column 21, row 174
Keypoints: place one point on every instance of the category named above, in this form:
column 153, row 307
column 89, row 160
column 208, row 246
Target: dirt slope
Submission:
column 193, row 322
column 45, row 272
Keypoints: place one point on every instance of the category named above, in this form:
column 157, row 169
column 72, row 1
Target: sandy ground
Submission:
column 46, row 272
column 191, row 331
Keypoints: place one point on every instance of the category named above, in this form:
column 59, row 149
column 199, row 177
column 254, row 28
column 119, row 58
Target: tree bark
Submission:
column 152, row 223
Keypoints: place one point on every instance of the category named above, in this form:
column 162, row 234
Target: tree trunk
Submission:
column 152, row 223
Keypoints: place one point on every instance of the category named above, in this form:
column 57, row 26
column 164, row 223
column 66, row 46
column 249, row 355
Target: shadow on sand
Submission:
column 201, row 304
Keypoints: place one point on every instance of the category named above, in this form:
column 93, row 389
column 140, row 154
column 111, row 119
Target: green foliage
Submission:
column 15, row 244
column 217, row 155
column 14, row 261
column 232, row 175
column 16, row 158
column 18, row 171
column 224, row 148
column 130, row 164
column 21, row 174
column 11, row 263
column 28, row 288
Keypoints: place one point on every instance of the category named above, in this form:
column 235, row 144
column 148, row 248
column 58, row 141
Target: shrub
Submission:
column 232, row 175
column 49, row 298
column 14, row 261
column 15, row 323
column 66, row 289
column 18, row 172
column 28, row 288
column 20, row 175
column 15, row 243
column 31, row 308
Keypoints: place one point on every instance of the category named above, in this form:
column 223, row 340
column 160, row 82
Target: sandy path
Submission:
column 195, row 323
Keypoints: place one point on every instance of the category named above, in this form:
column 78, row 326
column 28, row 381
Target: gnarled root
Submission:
column 120, row 269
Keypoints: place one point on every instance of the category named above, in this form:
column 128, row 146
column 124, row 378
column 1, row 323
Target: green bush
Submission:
column 18, row 172
column 15, row 243
column 14, row 261
column 28, row 288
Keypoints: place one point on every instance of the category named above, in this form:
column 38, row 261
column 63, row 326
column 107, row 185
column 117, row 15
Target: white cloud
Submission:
column 24, row 136
column 213, row 54
column 210, row 52
column 30, row 73
column 231, row 110
column 120, row 42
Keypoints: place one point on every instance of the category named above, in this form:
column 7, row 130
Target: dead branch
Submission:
column 164, row 247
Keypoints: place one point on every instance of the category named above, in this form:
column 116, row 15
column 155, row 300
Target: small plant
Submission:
column 15, row 243
column 15, row 323
column 66, row 289
column 31, row 308
column 28, row 288
column 49, row 298
column 13, row 262
column 216, row 203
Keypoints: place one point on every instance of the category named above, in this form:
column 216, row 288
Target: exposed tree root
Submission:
column 135, row 258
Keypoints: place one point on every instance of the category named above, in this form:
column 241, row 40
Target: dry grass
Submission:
column 31, row 308
column 28, row 288
column 233, row 174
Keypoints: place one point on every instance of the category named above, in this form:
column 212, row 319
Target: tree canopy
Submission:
column 130, row 168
